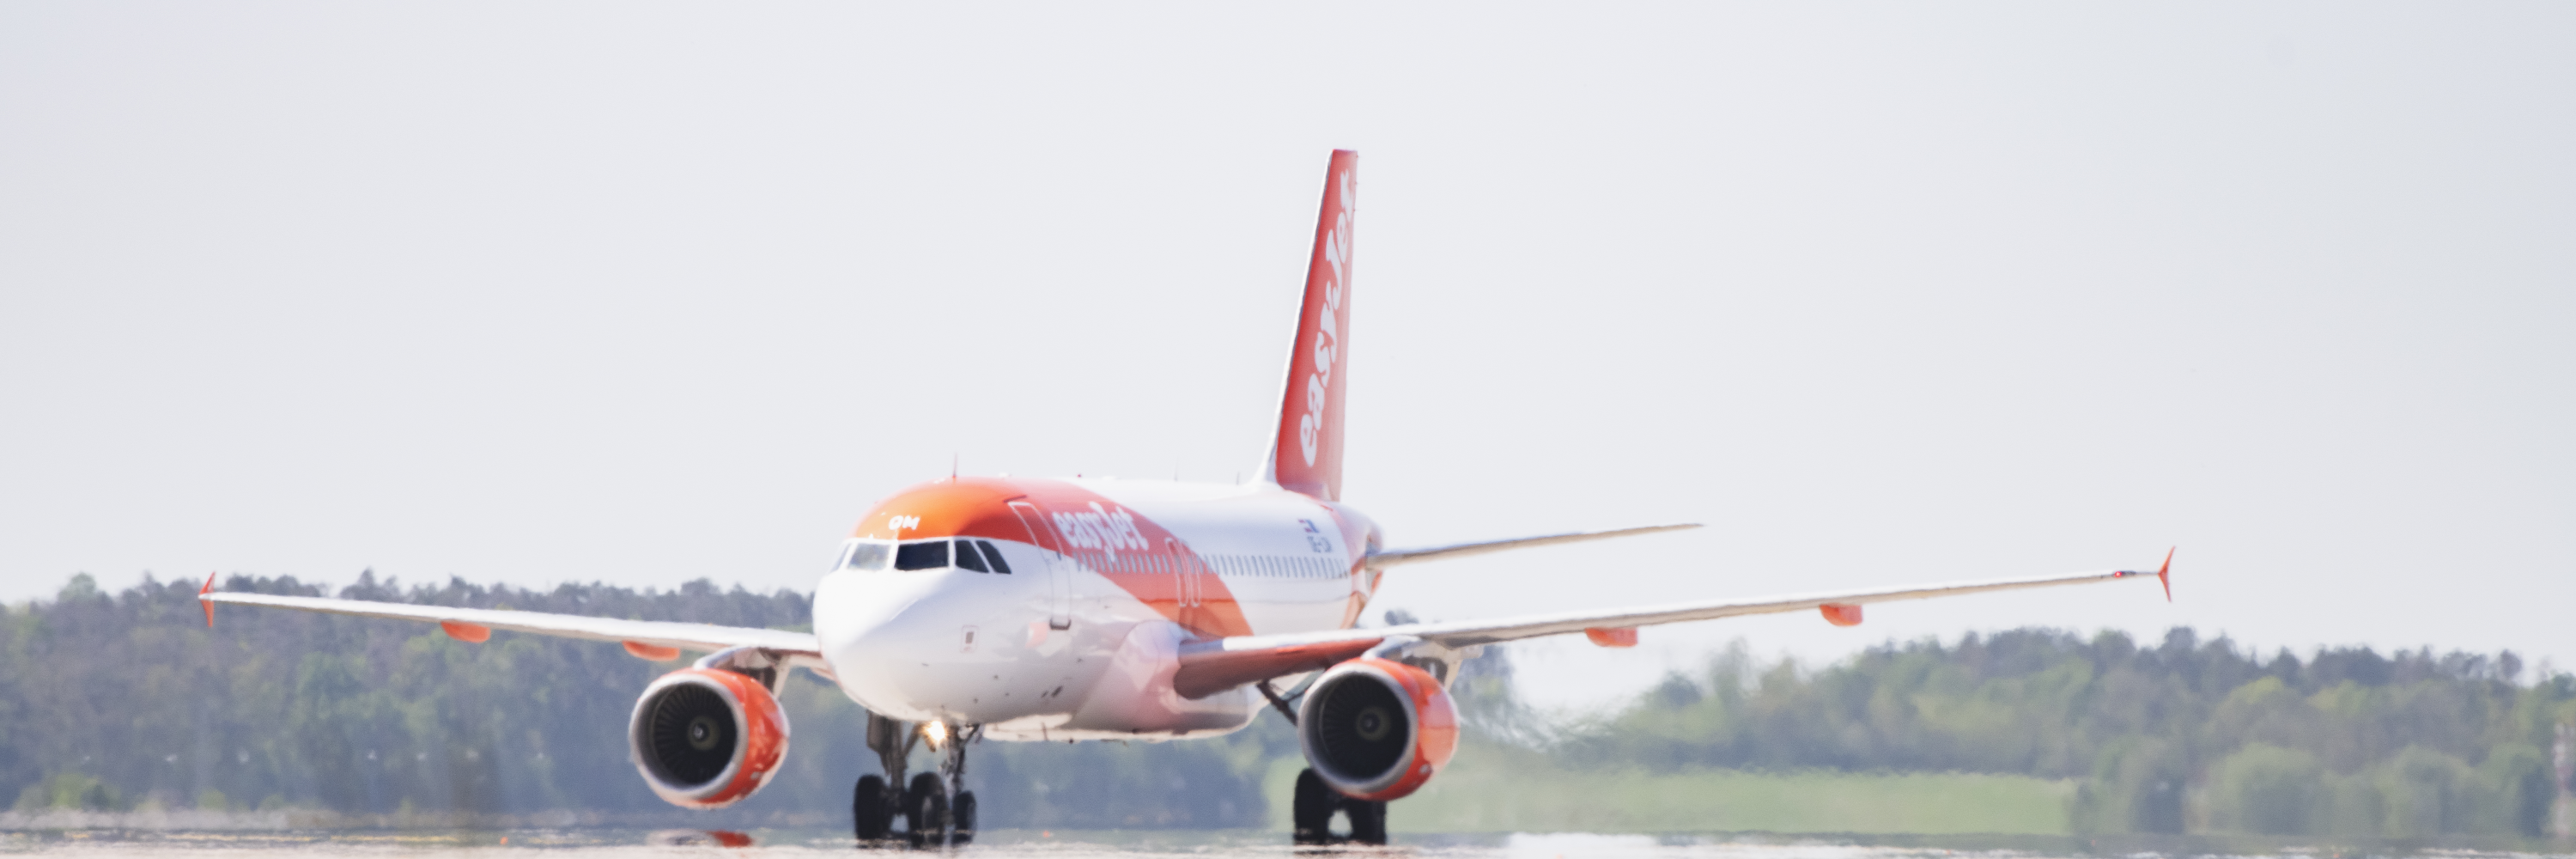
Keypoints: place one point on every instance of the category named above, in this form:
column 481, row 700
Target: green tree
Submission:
column 2267, row 789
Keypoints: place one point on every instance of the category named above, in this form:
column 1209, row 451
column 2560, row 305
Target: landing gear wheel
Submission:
column 870, row 814
column 961, row 816
column 1310, row 815
column 925, row 811
column 1368, row 821
column 1311, row 812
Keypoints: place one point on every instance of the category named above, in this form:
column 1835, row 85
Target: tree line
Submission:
column 2185, row 735
column 127, row 700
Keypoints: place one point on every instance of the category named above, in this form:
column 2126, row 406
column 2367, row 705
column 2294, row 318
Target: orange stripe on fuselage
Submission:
column 1141, row 557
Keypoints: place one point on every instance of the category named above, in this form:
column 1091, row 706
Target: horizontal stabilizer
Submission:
column 1393, row 557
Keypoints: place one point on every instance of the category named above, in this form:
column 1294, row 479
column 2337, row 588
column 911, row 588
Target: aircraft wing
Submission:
column 1393, row 557
column 1215, row 665
column 798, row 647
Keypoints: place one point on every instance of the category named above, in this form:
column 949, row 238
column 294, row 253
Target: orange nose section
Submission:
column 961, row 507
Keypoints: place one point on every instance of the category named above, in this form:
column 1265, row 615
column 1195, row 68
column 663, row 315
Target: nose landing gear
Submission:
column 872, row 809
column 925, row 811
column 936, row 808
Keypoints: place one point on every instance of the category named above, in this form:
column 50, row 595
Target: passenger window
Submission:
column 999, row 565
column 869, row 556
column 969, row 558
column 921, row 556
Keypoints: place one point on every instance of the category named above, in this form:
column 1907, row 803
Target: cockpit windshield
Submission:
column 868, row 556
column 921, row 556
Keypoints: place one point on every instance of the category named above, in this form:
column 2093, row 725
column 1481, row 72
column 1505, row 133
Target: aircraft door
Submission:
column 1187, row 588
column 1060, row 567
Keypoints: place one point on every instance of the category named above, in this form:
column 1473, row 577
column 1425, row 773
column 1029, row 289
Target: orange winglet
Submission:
column 202, row 603
column 1841, row 613
column 1616, row 636
column 463, row 631
column 652, row 653
column 2164, row 573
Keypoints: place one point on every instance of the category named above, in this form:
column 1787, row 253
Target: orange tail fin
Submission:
column 1306, row 455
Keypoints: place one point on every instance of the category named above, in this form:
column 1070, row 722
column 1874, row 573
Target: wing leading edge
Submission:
column 1216, row 665
column 799, row 648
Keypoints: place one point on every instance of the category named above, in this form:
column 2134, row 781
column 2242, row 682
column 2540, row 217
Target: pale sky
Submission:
column 1883, row 293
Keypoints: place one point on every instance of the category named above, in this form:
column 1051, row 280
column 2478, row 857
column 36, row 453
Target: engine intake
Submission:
column 1375, row 729
column 706, row 737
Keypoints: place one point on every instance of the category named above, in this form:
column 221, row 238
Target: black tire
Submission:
column 934, row 808
column 1368, row 821
column 1311, row 812
column 870, row 814
column 961, row 818
column 925, row 811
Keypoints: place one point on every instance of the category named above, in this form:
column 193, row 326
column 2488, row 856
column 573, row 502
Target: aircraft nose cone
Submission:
column 872, row 627
column 858, row 612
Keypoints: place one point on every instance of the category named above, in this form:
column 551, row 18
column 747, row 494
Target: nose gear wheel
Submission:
column 935, row 807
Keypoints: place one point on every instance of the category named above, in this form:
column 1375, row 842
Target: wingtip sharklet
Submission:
column 2164, row 574
column 207, row 604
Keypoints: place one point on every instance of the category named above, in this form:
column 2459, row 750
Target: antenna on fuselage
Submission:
column 952, row 466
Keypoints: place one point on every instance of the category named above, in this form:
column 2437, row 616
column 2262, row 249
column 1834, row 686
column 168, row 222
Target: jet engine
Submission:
column 1375, row 729
column 707, row 737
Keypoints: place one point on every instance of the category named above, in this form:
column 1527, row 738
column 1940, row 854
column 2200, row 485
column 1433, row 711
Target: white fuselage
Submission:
column 1106, row 579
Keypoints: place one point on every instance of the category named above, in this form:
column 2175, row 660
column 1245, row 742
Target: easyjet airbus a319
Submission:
column 982, row 608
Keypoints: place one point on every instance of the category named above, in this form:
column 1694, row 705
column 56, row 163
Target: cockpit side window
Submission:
column 868, row 556
column 999, row 565
column 921, row 556
column 969, row 558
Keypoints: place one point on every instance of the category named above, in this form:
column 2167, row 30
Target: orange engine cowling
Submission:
column 707, row 738
column 1375, row 729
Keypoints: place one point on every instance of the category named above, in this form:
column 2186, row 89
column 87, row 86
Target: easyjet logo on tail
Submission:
column 1306, row 448
column 1328, row 339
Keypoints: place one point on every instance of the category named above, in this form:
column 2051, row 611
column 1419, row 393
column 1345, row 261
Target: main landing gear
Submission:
column 936, row 808
column 1312, row 815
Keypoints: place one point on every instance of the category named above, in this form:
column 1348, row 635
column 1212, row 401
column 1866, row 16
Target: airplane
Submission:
column 1044, row 610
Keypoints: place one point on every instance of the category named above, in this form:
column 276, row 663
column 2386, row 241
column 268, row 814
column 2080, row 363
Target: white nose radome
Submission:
column 872, row 627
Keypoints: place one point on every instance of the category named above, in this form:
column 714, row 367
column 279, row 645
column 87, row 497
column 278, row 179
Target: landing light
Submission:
column 936, row 733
